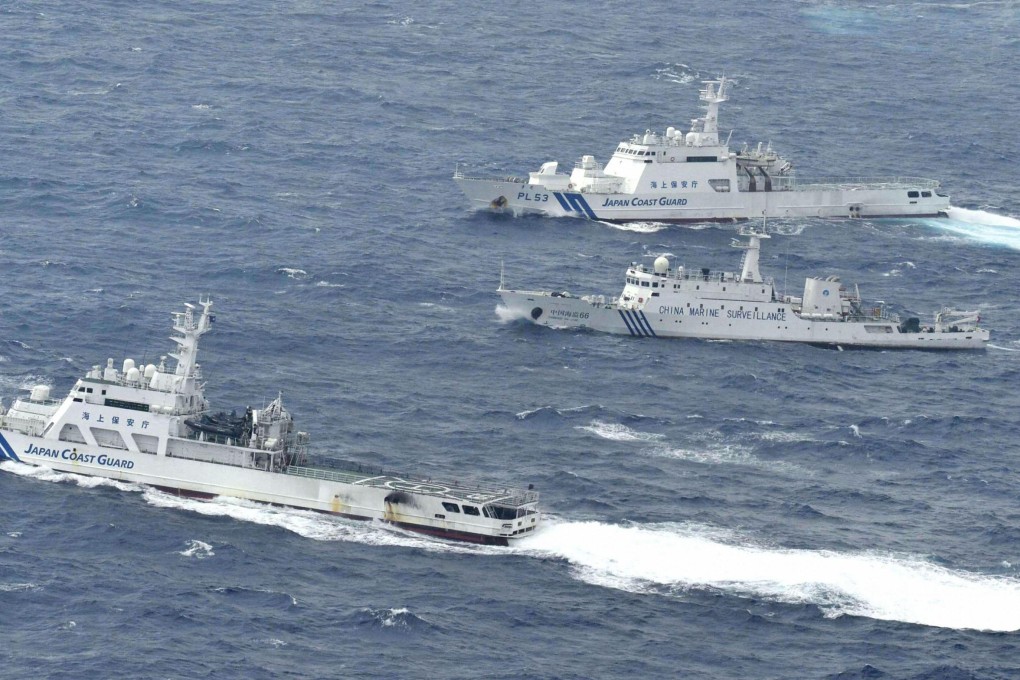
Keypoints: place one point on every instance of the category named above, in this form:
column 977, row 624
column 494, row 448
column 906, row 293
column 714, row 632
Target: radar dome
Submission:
column 661, row 264
column 40, row 393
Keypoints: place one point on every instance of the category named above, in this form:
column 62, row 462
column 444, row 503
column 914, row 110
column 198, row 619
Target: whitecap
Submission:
column 618, row 433
column 292, row 272
column 197, row 549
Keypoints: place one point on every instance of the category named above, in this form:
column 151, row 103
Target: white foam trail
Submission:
column 875, row 585
column 49, row 475
column 506, row 315
column 982, row 226
column 618, row 433
column 639, row 227
column 306, row 523
column 1005, row 349
column 676, row 558
column 983, row 218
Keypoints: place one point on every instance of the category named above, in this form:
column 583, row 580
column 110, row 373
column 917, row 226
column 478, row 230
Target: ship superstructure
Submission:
column 693, row 177
column 668, row 300
column 151, row 425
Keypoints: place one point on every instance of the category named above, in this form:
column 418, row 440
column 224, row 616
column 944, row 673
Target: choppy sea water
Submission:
column 715, row 510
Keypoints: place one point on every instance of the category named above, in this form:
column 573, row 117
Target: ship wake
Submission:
column 980, row 226
column 673, row 559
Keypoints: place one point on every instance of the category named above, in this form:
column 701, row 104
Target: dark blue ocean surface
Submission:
column 716, row 510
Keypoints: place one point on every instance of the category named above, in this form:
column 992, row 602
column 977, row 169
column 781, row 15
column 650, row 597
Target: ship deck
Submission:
column 428, row 487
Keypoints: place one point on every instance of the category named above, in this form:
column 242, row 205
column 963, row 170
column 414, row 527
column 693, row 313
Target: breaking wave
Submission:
column 618, row 433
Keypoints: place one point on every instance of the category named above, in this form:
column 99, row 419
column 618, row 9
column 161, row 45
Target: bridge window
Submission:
column 926, row 194
column 500, row 512
column 470, row 510
column 131, row 405
column 913, row 194
column 451, row 507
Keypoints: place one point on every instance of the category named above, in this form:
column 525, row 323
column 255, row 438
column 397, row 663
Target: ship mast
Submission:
column 705, row 131
column 190, row 330
column 752, row 249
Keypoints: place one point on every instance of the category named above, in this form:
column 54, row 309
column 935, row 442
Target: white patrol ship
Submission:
column 674, row 177
column 676, row 302
column 150, row 425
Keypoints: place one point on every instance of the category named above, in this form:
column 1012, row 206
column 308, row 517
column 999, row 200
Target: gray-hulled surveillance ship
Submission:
column 676, row 302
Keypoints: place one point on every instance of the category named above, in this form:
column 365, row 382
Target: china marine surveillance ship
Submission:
column 677, row 177
column 150, row 425
column 676, row 302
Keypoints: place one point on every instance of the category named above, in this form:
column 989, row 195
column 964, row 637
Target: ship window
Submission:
column 146, row 442
column 108, row 438
column 644, row 284
column 655, row 284
column 500, row 512
column 470, row 510
column 131, row 405
column 912, row 194
column 88, row 390
column 81, row 389
column 71, row 433
column 438, row 516
column 701, row 159
column 451, row 507
column 925, row 194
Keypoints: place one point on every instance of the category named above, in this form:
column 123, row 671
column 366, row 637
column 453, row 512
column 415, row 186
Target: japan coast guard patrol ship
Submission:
column 150, row 425
column 676, row 302
column 674, row 177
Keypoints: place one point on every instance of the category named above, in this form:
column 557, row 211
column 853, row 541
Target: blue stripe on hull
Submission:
column 575, row 203
column 637, row 323
column 6, row 451
column 623, row 315
column 644, row 319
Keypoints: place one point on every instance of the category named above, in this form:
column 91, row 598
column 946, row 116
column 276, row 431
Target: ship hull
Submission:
column 520, row 198
column 723, row 320
column 203, row 480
